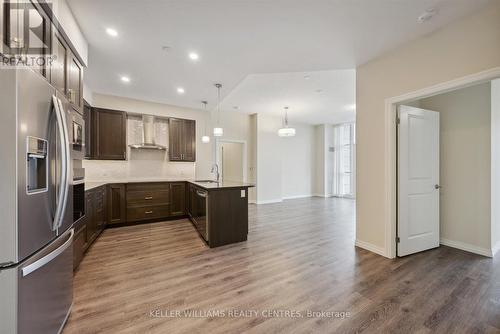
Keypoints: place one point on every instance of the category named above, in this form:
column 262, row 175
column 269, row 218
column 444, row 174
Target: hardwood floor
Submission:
column 299, row 256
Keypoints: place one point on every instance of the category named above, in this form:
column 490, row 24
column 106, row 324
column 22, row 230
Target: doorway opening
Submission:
column 447, row 145
column 231, row 157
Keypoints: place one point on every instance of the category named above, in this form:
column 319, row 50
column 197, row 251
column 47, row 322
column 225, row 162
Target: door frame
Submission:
column 390, row 118
column 219, row 141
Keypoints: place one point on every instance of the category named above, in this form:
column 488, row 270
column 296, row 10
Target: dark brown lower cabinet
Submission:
column 117, row 204
column 91, row 225
column 177, row 199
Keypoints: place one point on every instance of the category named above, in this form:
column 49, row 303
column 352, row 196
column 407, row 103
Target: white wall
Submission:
column 467, row 46
column 465, row 163
column 285, row 166
column 252, row 158
column 269, row 157
column 297, row 164
column 495, row 166
column 236, row 127
column 320, row 139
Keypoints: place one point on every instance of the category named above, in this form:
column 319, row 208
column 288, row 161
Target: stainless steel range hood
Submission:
column 148, row 135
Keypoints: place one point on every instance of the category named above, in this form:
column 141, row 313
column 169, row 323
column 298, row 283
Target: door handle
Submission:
column 148, row 212
column 58, row 217
column 148, row 198
column 49, row 257
column 437, row 186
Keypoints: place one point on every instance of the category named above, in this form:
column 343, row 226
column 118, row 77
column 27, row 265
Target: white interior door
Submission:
column 418, row 180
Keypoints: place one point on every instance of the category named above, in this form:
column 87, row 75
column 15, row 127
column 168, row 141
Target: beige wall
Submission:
column 465, row 165
column 231, row 161
column 236, row 127
column 464, row 47
column 495, row 165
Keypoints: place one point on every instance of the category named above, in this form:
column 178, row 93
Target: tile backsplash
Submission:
column 140, row 162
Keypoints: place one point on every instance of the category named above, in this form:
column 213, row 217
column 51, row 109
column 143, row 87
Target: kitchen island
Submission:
column 219, row 211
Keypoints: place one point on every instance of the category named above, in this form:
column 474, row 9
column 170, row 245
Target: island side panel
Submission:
column 228, row 216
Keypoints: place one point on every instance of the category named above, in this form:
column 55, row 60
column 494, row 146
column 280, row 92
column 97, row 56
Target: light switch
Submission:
column 243, row 193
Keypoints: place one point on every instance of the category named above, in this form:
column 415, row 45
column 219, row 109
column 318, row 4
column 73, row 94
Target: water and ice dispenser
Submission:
column 37, row 165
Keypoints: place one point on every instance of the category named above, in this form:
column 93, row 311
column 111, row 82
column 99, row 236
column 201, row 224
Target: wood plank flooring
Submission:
column 299, row 257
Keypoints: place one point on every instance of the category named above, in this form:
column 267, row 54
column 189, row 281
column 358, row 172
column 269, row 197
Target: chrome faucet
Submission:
column 215, row 169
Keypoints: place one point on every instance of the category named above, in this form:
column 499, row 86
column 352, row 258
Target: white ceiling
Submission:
column 245, row 42
column 312, row 97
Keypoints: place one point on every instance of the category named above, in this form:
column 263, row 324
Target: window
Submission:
column 344, row 164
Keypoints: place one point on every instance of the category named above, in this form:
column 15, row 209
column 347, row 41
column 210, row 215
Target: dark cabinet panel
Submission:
column 75, row 79
column 89, row 141
column 110, row 134
column 90, row 213
column 182, row 140
column 100, row 209
column 117, row 204
column 58, row 68
column 26, row 31
column 177, row 199
column 175, row 139
column 189, row 138
column 91, row 225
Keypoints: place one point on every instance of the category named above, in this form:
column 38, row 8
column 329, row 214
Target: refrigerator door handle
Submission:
column 49, row 257
column 62, row 183
column 66, row 163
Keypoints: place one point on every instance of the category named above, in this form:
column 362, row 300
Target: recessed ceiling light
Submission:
column 194, row 56
column 307, row 77
column 125, row 79
column 180, row 90
column 236, row 107
column 319, row 90
column 111, row 32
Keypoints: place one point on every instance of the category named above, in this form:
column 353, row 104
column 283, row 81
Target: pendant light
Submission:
column 218, row 131
column 286, row 131
column 205, row 139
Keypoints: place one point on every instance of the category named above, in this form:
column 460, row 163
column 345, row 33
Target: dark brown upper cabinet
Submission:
column 59, row 64
column 26, row 31
column 88, row 119
column 182, row 140
column 109, row 134
column 75, row 79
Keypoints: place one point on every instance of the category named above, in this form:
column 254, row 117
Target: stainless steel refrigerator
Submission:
column 36, row 205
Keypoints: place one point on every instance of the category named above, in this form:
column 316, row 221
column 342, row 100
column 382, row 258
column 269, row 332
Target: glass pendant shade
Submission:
column 205, row 139
column 286, row 132
column 218, row 132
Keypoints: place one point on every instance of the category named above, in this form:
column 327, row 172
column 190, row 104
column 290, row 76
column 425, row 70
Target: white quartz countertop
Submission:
column 91, row 184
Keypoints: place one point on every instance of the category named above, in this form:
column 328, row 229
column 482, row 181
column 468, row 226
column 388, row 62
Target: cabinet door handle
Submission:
column 148, row 198
column 148, row 212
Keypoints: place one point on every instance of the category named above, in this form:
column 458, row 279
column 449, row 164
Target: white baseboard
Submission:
column 495, row 249
column 270, row 201
column 370, row 247
column 297, row 196
column 467, row 247
column 320, row 195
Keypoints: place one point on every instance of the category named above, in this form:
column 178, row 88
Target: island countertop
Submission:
column 91, row 184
